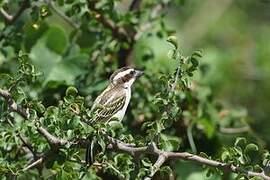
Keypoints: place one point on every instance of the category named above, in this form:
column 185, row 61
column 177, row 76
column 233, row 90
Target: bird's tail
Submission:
column 89, row 155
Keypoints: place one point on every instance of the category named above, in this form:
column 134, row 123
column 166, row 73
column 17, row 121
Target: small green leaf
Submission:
column 251, row 147
column 204, row 155
column 197, row 53
column 102, row 143
column 240, row 141
column 71, row 91
column 225, row 156
column 40, row 107
column 173, row 41
column 169, row 143
column 171, row 53
column 146, row 163
column 194, row 61
column 115, row 125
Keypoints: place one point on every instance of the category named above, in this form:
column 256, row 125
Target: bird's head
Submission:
column 125, row 76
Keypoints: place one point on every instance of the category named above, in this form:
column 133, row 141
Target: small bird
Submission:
column 112, row 103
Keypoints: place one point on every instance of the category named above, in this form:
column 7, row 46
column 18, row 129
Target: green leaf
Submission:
column 54, row 67
column 197, row 53
column 33, row 31
column 102, row 143
column 56, row 40
column 40, row 107
column 208, row 127
column 169, row 143
column 251, row 147
column 204, row 155
column 44, row 59
column 240, row 141
column 146, row 162
column 173, row 41
column 194, row 62
column 71, row 91
column 225, row 156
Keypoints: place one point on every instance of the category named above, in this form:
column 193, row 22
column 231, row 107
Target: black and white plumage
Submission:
column 112, row 103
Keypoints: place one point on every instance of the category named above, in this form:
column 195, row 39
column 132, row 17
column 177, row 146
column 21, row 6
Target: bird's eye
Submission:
column 132, row 72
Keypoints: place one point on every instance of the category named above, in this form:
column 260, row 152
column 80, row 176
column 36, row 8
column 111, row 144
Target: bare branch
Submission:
column 11, row 19
column 34, row 164
column 13, row 107
column 164, row 155
column 53, row 140
column 234, row 130
column 161, row 159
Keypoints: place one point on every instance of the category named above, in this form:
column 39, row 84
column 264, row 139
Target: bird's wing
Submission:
column 109, row 102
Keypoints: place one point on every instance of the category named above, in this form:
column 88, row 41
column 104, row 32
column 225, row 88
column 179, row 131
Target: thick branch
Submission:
column 11, row 19
column 53, row 140
column 12, row 104
column 164, row 155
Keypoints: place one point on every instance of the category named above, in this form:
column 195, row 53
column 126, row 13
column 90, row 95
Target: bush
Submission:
column 56, row 57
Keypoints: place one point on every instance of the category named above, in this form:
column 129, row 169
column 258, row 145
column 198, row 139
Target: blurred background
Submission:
column 235, row 38
column 233, row 34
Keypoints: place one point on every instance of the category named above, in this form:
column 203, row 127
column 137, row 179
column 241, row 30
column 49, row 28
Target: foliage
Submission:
column 55, row 58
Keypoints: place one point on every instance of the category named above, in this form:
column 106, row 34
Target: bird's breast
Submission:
column 121, row 113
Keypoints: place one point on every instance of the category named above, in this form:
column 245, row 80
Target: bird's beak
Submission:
column 138, row 73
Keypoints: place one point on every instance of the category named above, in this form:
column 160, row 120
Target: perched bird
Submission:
column 112, row 103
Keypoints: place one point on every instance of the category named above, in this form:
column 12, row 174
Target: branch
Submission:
column 134, row 5
column 149, row 24
column 54, row 141
column 12, row 106
column 165, row 155
column 62, row 15
column 34, row 164
column 117, row 31
column 27, row 144
column 234, row 130
column 11, row 19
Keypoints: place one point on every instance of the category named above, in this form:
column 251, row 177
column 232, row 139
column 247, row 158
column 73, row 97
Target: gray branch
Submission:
column 165, row 155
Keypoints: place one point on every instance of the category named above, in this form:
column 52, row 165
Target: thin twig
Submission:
column 234, row 130
column 117, row 31
column 175, row 79
column 34, row 164
column 62, row 15
column 11, row 19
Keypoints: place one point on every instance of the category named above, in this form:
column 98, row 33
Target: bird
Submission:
column 112, row 103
